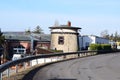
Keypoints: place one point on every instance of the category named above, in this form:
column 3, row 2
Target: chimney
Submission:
column 69, row 24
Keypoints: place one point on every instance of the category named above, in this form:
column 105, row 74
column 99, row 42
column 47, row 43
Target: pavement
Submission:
column 100, row 67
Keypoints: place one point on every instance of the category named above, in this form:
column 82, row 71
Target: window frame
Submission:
column 61, row 40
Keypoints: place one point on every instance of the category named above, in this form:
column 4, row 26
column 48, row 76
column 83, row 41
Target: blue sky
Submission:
column 93, row 16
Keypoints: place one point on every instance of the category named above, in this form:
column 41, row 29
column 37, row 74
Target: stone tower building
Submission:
column 64, row 37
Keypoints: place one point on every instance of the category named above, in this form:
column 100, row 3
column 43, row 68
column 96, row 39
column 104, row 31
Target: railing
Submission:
column 5, row 69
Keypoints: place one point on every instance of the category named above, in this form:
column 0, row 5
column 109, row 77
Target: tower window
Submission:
column 61, row 40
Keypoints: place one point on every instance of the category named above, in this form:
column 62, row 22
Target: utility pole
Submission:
column 32, row 40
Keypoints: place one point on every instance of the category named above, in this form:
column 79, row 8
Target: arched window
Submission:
column 19, row 49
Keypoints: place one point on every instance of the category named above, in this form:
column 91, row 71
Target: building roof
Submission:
column 17, row 37
column 42, row 37
column 92, row 36
column 68, row 26
column 26, row 37
column 64, row 27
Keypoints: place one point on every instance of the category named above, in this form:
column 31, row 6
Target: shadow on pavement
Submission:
column 62, row 79
column 32, row 73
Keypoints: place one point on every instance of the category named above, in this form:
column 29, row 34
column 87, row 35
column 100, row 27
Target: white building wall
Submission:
column 63, row 30
column 100, row 40
column 93, row 39
column 85, row 41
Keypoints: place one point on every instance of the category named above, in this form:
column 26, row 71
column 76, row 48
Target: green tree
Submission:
column 38, row 30
column 1, row 38
column 28, row 31
column 2, row 41
column 111, row 37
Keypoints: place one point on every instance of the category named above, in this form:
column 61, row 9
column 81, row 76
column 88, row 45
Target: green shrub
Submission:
column 106, row 46
column 100, row 47
column 95, row 47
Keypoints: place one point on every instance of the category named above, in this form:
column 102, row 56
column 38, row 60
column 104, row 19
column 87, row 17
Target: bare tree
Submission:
column 114, row 37
column 105, row 34
column 56, row 23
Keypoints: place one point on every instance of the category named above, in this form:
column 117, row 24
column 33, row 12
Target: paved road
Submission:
column 101, row 67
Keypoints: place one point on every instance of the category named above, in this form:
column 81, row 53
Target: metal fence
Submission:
column 5, row 69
